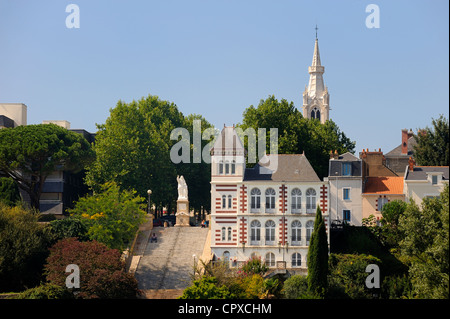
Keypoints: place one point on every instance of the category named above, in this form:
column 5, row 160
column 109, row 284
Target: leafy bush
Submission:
column 101, row 270
column 23, row 248
column 46, row 291
column 295, row 287
column 254, row 266
column 68, row 227
column 347, row 276
column 206, row 288
column 111, row 216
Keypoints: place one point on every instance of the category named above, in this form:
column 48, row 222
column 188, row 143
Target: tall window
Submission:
column 381, row 202
column 223, row 233
column 230, row 200
column 255, row 232
column 270, row 198
column 296, row 230
column 233, row 167
column 227, row 167
column 270, row 260
column 346, row 193
column 310, row 200
column 434, row 179
column 229, row 233
column 255, row 198
column 296, row 260
column 346, row 215
column 224, row 201
column 270, row 232
column 296, row 196
column 309, row 230
column 346, row 169
column 220, row 167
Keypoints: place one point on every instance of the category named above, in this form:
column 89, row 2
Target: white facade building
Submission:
column 261, row 212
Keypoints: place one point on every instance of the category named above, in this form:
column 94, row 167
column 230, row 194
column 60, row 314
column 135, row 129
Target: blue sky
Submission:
column 216, row 58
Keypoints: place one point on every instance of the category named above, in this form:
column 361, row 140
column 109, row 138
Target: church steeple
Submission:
column 315, row 96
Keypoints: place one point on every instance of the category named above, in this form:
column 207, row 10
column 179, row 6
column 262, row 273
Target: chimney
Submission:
column 405, row 141
column 410, row 133
column 336, row 154
column 411, row 163
column 331, row 155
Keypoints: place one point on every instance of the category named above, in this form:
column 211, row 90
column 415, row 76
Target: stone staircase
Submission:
column 165, row 268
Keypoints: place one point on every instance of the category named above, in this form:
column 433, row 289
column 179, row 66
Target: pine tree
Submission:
column 318, row 258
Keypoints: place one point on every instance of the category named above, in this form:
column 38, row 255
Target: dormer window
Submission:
column 434, row 179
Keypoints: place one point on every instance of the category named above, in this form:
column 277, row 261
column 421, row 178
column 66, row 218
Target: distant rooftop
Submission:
column 383, row 185
column 419, row 173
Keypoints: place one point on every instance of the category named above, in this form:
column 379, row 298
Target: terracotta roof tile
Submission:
column 384, row 185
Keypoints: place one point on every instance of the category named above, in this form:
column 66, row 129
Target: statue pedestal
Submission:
column 182, row 214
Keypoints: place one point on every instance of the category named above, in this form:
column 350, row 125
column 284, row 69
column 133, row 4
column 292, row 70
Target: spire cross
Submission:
column 316, row 30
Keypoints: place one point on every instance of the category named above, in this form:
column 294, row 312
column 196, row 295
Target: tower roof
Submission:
column 316, row 85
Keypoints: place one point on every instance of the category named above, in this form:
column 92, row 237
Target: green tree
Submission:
column 432, row 147
column 133, row 150
column 391, row 212
column 295, row 133
column 111, row 216
column 28, row 154
column 426, row 245
column 9, row 192
column 318, row 257
column 23, row 248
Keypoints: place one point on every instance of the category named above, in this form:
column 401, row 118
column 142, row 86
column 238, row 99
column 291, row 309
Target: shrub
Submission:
column 206, row 288
column 101, row 270
column 295, row 287
column 68, row 227
column 23, row 248
column 254, row 266
column 46, row 291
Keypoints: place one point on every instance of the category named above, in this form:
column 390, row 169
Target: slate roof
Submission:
column 419, row 173
column 290, row 168
column 398, row 150
column 383, row 185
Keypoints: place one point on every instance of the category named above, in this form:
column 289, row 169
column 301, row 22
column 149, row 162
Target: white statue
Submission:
column 182, row 188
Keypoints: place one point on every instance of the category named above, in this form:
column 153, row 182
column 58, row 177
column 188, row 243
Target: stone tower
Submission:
column 315, row 97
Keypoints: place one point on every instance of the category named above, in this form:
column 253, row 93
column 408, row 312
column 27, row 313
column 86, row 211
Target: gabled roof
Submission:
column 228, row 143
column 383, row 185
column 290, row 168
column 398, row 150
column 419, row 173
column 348, row 157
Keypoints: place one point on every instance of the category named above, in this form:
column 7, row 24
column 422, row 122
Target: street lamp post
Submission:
column 149, row 192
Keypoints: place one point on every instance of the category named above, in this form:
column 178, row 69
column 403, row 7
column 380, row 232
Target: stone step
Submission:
column 169, row 263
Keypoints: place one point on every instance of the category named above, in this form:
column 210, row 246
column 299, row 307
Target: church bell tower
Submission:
column 315, row 97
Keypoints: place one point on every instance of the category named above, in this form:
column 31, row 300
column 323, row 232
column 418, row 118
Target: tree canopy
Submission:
column 133, row 150
column 28, row 154
column 432, row 147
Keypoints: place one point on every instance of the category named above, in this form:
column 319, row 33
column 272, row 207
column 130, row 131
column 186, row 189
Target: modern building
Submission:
column 424, row 181
column 316, row 98
column 345, row 184
column 267, row 211
column 13, row 114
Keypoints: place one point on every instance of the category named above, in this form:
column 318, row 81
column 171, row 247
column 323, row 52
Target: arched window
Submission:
column 226, row 257
column 229, row 233
column 270, row 198
column 296, row 260
column 270, row 232
column 318, row 115
column 296, row 231
column 227, row 168
column 233, row 167
column 224, row 201
column 313, row 114
column 270, row 260
column 223, row 233
column 220, row 167
column 309, row 230
column 310, row 200
column 296, row 197
column 255, row 198
column 230, row 200
column 255, row 232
